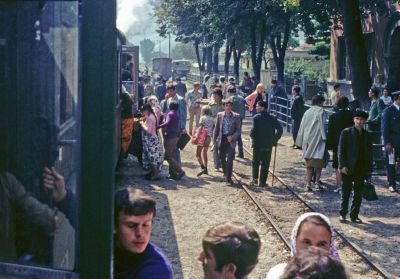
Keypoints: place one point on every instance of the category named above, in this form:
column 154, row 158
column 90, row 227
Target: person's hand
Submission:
column 344, row 170
column 167, row 96
column 389, row 148
column 54, row 182
column 184, row 131
column 229, row 138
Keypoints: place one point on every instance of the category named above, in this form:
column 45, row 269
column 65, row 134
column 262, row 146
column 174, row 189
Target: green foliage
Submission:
column 321, row 48
column 183, row 51
column 312, row 69
column 146, row 50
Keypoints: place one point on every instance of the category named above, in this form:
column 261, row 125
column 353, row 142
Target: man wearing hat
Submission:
column 390, row 128
column 226, row 133
column 355, row 164
column 265, row 134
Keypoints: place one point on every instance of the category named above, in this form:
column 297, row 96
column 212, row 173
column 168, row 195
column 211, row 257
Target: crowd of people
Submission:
column 216, row 113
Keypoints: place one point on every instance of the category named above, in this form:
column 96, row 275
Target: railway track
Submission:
column 274, row 218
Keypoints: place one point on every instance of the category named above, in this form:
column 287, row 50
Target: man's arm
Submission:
column 342, row 152
column 385, row 127
column 216, row 129
column 238, row 128
column 182, row 114
column 278, row 131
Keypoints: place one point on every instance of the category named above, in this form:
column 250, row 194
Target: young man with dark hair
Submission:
column 238, row 106
column 265, row 134
column 341, row 119
column 355, row 164
column 134, row 255
column 226, row 133
column 230, row 251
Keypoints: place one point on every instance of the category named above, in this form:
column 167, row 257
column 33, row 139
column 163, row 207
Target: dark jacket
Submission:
column 297, row 110
column 390, row 126
column 266, row 131
column 348, row 151
column 337, row 122
column 152, row 263
column 375, row 112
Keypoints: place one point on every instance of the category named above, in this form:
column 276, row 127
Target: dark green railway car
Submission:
column 59, row 107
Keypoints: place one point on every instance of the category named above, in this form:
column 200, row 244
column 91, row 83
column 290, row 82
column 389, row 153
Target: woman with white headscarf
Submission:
column 310, row 229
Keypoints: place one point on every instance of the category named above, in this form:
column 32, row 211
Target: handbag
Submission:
column 369, row 192
column 183, row 140
column 199, row 140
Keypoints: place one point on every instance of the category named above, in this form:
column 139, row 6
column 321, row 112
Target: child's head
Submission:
column 205, row 110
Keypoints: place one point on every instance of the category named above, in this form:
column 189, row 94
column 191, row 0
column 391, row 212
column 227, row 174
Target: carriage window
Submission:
column 39, row 137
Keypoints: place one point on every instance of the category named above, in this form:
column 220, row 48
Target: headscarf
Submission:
column 332, row 249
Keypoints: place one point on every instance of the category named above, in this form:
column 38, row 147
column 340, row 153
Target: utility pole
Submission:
column 169, row 45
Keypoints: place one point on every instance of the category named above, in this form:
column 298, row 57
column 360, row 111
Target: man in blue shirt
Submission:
column 134, row 255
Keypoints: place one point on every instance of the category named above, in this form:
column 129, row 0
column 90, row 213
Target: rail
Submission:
column 353, row 246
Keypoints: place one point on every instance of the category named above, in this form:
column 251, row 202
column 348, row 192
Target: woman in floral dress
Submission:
column 153, row 152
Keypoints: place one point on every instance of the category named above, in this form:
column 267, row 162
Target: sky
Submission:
column 135, row 20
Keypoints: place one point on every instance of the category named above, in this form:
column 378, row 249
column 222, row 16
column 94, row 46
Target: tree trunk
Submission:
column 228, row 54
column 197, row 50
column 237, row 54
column 209, row 59
column 216, row 60
column 203, row 63
column 279, row 50
column 355, row 49
column 257, row 53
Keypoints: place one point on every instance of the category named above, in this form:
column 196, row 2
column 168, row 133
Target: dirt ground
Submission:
column 187, row 208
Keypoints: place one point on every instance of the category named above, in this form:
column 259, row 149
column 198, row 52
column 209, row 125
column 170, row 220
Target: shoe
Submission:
column 240, row 156
column 342, row 219
column 171, row 176
column 319, row 186
column 203, row 171
column 229, row 182
column 309, row 189
column 321, row 183
column 392, row 189
column 180, row 175
column 263, row 185
column 295, row 147
column 254, row 182
column 356, row 220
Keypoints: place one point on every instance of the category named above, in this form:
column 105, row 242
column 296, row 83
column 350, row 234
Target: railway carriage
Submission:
column 59, row 107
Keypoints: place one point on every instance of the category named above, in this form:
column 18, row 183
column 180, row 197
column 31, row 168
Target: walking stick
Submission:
column 273, row 168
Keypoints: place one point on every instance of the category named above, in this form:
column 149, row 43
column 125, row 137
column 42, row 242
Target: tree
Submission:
column 183, row 51
column 146, row 50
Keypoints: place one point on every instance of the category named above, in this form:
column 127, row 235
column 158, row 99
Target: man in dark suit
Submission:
column 341, row 119
column 355, row 164
column 296, row 112
column 390, row 127
column 265, row 134
column 226, row 133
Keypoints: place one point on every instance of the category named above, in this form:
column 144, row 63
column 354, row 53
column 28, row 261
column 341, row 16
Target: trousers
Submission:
column 263, row 156
column 226, row 154
column 351, row 183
